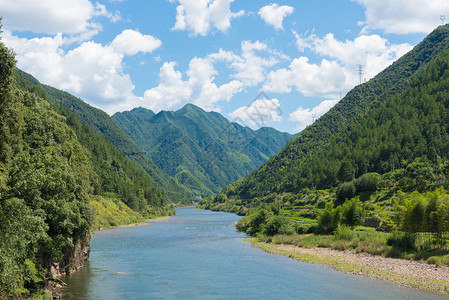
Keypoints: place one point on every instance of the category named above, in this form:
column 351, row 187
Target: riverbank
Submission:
column 404, row 272
column 146, row 223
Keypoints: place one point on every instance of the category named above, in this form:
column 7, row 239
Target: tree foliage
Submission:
column 396, row 121
column 45, row 180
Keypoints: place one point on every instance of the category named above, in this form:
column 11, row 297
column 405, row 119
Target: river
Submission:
column 199, row 255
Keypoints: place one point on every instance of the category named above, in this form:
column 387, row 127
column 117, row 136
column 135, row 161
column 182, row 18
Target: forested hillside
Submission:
column 107, row 132
column 51, row 167
column 202, row 150
column 397, row 120
column 45, row 182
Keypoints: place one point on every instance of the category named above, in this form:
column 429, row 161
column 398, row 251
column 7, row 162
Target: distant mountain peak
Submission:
column 203, row 150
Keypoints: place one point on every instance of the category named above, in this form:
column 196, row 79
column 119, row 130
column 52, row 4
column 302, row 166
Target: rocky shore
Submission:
column 404, row 272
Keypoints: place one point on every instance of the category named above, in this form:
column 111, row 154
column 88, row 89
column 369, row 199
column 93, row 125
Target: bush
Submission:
column 367, row 182
column 345, row 191
column 352, row 212
column 435, row 260
column 401, row 241
column 302, row 228
column 328, row 219
column 278, row 225
column 344, row 233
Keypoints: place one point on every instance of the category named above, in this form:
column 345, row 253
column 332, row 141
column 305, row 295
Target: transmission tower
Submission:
column 442, row 18
column 360, row 73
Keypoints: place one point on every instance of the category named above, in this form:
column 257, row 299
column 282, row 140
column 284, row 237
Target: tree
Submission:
column 345, row 191
column 346, row 171
column 329, row 218
column 352, row 212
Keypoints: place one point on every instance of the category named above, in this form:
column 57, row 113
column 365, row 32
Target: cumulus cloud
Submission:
column 131, row 42
column 251, row 66
column 259, row 113
column 170, row 92
column 173, row 91
column 404, row 16
column 53, row 16
column 338, row 70
column 306, row 116
column 199, row 85
column 274, row 14
column 92, row 71
column 199, row 16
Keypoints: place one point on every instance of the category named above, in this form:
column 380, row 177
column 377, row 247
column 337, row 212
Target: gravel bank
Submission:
column 408, row 273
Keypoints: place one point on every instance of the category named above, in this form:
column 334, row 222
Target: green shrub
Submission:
column 278, row 225
column 352, row 212
column 435, row 260
column 401, row 241
column 344, row 233
column 367, row 182
column 345, row 191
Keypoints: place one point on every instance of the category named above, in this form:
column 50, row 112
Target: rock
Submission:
column 73, row 260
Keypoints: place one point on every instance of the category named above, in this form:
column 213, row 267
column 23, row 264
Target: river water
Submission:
column 200, row 255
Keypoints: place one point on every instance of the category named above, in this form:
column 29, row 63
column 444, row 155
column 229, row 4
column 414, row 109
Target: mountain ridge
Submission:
column 201, row 149
column 102, row 124
column 292, row 170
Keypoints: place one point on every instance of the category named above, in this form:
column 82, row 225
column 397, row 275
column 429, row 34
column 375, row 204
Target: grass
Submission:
column 112, row 212
column 362, row 240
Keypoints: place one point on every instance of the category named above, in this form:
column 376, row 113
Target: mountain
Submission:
column 106, row 129
column 397, row 120
column 53, row 168
column 45, row 183
column 202, row 150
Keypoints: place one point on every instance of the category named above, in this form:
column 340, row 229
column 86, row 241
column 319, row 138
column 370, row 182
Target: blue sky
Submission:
column 260, row 63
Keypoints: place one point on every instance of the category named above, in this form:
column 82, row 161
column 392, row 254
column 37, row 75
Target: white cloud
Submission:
column 306, row 116
column 131, row 42
column 249, row 66
column 310, row 79
column 274, row 14
column 404, row 16
column 91, row 71
column 200, row 89
column 259, row 113
column 170, row 92
column 53, row 16
column 338, row 71
column 199, row 16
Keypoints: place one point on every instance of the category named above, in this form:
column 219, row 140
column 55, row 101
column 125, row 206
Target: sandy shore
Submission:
column 404, row 272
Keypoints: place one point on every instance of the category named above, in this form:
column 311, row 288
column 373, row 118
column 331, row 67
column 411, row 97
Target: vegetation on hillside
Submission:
column 202, row 150
column 379, row 159
column 104, row 129
column 379, row 126
column 51, row 167
column 45, row 180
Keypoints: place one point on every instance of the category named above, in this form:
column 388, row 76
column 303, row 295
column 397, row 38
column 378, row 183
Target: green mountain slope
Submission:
column 106, row 131
column 52, row 167
column 114, row 173
column 202, row 150
column 388, row 122
column 45, row 182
